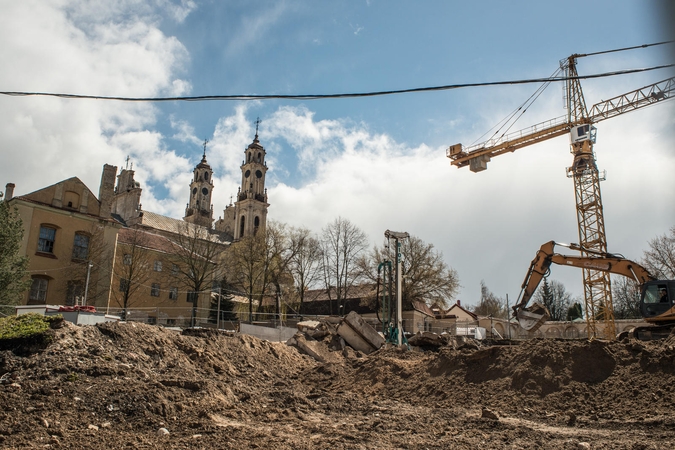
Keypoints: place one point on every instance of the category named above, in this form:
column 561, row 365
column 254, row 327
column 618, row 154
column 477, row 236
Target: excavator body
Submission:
column 657, row 297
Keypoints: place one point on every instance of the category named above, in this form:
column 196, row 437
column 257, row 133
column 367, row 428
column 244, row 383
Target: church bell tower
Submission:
column 248, row 215
column 199, row 209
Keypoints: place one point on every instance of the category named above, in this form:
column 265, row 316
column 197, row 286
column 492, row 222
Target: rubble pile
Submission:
column 126, row 385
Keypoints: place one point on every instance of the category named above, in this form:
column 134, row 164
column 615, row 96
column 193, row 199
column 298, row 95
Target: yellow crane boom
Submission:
column 479, row 155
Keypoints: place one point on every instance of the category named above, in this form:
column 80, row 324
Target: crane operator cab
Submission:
column 584, row 132
column 657, row 298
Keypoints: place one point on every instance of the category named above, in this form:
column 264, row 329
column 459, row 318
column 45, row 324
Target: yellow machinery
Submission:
column 657, row 297
column 579, row 125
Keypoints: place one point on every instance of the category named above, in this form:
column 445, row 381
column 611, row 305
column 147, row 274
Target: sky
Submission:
column 378, row 161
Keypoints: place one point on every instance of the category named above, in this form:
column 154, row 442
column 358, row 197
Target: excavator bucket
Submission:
column 532, row 317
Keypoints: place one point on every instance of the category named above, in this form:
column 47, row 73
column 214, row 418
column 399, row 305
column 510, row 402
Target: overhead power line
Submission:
column 246, row 97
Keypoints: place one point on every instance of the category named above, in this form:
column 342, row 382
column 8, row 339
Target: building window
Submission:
column 47, row 238
column 81, row 246
column 127, row 259
column 74, row 293
column 38, row 290
column 174, row 270
column 173, row 293
column 158, row 266
column 124, row 285
column 154, row 290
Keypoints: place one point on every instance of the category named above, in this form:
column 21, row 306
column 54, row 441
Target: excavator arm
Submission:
column 531, row 318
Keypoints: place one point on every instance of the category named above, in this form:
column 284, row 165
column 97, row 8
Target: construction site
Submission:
column 126, row 385
column 344, row 382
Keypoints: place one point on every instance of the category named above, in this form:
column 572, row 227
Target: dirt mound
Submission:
column 134, row 385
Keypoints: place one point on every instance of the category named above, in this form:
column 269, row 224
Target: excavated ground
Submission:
column 139, row 386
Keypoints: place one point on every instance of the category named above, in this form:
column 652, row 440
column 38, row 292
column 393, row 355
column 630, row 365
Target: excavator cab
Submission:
column 657, row 299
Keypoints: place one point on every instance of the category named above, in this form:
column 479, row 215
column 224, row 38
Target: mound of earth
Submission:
column 126, row 385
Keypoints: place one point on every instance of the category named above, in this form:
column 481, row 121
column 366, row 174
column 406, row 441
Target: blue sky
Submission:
column 380, row 162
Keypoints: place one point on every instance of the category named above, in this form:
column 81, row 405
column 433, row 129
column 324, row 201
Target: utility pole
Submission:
column 397, row 236
column 220, row 289
column 508, row 314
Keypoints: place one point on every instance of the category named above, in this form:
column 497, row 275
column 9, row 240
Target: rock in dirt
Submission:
column 313, row 348
column 427, row 339
column 489, row 414
column 358, row 334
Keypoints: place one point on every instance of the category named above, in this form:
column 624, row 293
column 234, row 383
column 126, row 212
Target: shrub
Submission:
column 27, row 332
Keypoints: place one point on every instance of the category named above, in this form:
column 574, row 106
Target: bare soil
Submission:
column 138, row 386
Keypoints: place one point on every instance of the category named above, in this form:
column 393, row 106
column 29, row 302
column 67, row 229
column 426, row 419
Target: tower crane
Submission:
column 579, row 124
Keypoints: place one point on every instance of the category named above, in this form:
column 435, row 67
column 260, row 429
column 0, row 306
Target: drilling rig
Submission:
column 579, row 124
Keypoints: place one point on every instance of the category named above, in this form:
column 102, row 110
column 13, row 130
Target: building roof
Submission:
column 145, row 239
column 457, row 305
column 423, row 308
column 171, row 225
column 354, row 292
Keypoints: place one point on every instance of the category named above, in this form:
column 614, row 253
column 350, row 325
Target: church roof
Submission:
column 145, row 239
column 171, row 225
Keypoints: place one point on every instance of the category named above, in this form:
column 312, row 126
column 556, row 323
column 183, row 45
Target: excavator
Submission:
column 657, row 297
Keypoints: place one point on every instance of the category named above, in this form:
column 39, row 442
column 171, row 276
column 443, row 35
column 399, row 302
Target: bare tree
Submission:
column 279, row 252
column 625, row 298
column 245, row 266
column 132, row 267
column 305, row 262
column 342, row 244
column 660, row 258
column 490, row 304
column 259, row 265
column 555, row 297
column 426, row 276
column 197, row 253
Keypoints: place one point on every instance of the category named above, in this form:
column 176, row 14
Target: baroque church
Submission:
column 81, row 247
column 245, row 217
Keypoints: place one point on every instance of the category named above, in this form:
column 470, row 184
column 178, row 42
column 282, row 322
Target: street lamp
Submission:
column 86, row 285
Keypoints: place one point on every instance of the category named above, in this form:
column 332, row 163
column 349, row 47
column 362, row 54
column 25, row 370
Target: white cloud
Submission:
column 92, row 48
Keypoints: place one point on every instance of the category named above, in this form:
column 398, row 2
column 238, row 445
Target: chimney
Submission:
column 9, row 191
column 459, row 303
column 107, row 190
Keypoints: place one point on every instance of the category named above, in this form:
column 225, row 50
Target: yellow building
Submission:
column 149, row 281
column 70, row 239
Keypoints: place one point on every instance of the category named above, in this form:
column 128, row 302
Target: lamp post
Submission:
column 86, row 285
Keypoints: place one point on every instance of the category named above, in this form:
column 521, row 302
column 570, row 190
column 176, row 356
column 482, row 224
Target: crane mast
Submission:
column 590, row 218
column 584, row 172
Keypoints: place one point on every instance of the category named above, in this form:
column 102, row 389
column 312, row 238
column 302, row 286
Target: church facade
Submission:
column 245, row 217
column 248, row 214
column 67, row 230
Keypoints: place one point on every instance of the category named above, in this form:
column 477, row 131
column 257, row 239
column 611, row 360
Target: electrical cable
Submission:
column 249, row 97
column 623, row 49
